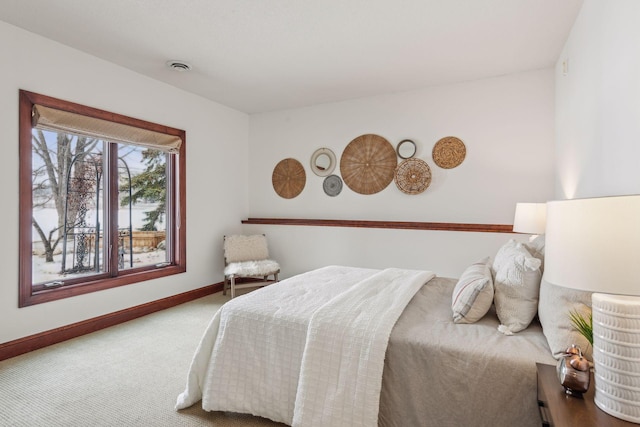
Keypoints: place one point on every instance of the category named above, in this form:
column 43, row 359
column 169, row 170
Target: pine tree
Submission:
column 149, row 186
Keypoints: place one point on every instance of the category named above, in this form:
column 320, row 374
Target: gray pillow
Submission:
column 554, row 307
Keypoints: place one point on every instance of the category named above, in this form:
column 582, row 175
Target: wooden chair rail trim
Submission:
column 399, row 225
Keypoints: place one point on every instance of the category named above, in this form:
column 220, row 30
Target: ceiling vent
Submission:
column 178, row 65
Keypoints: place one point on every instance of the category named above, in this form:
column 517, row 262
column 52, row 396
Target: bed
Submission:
column 255, row 356
column 439, row 373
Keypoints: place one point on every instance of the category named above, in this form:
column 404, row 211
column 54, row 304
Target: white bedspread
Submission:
column 306, row 351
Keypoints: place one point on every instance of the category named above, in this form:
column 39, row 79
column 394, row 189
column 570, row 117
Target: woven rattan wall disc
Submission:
column 288, row 178
column 368, row 163
column 449, row 152
column 413, row 176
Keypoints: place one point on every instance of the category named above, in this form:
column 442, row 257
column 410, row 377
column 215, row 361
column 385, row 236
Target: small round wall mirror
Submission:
column 323, row 162
column 406, row 149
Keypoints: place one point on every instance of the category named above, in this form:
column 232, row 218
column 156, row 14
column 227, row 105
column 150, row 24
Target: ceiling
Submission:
column 265, row 55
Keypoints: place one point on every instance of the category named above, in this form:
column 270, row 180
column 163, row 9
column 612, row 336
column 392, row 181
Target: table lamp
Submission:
column 530, row 218
column 594, row 245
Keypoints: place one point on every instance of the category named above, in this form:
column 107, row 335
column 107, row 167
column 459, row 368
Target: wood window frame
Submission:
column 176, row 204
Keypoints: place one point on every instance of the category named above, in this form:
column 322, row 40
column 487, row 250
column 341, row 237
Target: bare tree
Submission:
column 50, row 181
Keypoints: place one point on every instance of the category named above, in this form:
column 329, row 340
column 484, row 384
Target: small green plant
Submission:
column 583, row 325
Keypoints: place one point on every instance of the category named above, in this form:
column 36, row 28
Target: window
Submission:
column 101, row 200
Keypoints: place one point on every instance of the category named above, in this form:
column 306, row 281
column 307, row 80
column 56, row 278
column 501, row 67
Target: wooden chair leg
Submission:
column 233, row 287
column 224, row 285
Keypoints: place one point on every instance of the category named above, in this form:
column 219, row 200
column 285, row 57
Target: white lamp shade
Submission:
column 530, row 218
column 594, row 244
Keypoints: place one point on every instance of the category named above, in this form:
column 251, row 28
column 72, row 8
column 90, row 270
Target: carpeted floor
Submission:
column 126, row 375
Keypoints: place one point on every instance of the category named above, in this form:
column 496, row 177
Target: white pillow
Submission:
column 473, row 294
column 516, row 286
column 536, row 248
column 554, row 307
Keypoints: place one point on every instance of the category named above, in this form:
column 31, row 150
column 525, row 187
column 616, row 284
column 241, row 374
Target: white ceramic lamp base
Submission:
column 616, row 355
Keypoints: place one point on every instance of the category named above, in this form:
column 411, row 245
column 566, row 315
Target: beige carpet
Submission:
column 126, row 375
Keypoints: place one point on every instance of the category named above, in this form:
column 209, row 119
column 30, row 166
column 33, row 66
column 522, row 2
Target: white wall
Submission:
column 216, row 186
column 506, row 124
column 446, row 253
column 598, row 102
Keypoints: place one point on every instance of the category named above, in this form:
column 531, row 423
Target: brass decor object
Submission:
column 288, row 178
column 449, row 152
column 573, row 371
column 413, row 176
column 368, row 164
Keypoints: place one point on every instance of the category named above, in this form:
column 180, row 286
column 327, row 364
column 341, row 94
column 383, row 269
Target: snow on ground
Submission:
column 46, row 271
column 48, row 219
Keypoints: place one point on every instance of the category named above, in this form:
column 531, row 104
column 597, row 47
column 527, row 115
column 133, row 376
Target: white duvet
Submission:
column 308, row 351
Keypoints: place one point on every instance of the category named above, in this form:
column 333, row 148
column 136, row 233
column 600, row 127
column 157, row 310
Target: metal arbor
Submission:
column 83, row 190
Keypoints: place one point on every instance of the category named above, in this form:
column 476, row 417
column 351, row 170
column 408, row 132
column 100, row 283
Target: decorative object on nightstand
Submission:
column 573, row 371
column 592, row 245
column 583, row 325
column 559, row 410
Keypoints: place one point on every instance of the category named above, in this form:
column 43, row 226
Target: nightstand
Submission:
column 558, row 409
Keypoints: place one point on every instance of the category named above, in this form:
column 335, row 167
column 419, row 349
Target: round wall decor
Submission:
column 323, row 162
column 413, row 176
column 406, row 149
column 449, row 152
column 368, row 163
column 288, row 178
column 332, row 185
